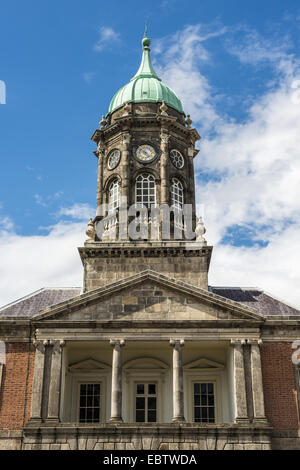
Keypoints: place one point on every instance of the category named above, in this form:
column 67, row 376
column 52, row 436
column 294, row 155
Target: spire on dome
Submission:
column 146, row 68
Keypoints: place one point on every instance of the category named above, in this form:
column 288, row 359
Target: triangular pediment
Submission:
column 88, row 365
column 203, row 363
column 148, row 296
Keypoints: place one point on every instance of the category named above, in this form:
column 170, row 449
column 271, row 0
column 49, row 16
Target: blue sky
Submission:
column 234, row 64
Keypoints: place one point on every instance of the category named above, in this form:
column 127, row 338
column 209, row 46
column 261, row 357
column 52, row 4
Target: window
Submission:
column 113, row 196
column 204, row 402
column 146, row 403
column 89, row 403
column 145, row 190
column 177, row 194
column 177, row 201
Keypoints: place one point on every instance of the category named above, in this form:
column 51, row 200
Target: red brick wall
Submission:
column 13, row 388
column 279, row 385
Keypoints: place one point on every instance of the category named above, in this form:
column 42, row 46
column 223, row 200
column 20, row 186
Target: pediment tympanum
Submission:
column 148, row 296
column 203, row 363
column 88, row 365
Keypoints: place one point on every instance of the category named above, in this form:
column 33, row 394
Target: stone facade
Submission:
column 147, row 324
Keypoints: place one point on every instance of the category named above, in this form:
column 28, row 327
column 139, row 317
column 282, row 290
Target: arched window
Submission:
column 145, row 190
column 177, row 198
column 113, row 196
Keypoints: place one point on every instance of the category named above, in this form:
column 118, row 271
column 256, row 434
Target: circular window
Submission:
column 177, row 159
column 113, row 159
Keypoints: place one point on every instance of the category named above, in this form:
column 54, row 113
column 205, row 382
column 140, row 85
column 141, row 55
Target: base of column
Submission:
column 178, row 419
column 260, row 420
column 243, row 420
column 115, row 420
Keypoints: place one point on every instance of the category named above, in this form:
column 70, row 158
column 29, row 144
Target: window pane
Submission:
column 151, row 416
column 140, row 403
column 89, row 403
column 203, row 400
column 211, row 400
column 152, row 403
column 152, row 389
column 140, row 416
column 140, row 388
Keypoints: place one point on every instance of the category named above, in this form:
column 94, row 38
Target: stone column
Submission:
column 164, row 146
column 116, row 382
column 100, row 154
column 241, row 411
column 38, row 380
column 257, row 383
column 55, row 380
column 126, row 138
column 178, row 403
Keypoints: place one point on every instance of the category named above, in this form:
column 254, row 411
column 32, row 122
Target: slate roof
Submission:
column 265, row 303
column 31, row 304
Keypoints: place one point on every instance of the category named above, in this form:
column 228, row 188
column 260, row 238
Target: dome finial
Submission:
column 146, row 41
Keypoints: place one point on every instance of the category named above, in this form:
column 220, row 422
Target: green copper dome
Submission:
column 145, row 86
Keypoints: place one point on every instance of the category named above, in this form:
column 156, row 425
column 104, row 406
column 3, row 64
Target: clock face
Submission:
column 145, row 153
column 177, row 159
column 113, row 159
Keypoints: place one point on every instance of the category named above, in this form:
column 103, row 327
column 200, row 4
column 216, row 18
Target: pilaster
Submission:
column 241, row 410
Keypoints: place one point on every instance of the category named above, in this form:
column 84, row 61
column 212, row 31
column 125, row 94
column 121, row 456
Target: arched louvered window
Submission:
column 113, row 195
column 145, row 192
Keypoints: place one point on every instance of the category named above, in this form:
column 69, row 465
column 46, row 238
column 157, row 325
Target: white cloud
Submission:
column 179, row 58
column 31, row 262
column 251, row 168
column 79, row 211
column 107, row 35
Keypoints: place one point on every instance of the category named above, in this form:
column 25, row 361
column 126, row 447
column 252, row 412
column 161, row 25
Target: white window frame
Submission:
column 144, row 184
column 87, row 382
column 134, row 373
column 84, row 372
column 177, row 194
column 157, row 396
column 113, row 195
column 200, row 377
column 88, row 379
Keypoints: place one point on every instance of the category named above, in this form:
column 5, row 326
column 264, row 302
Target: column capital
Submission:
column 237, row 342
column 117, row 342
column 176, row 342
column 257, row 342
column 39, row 345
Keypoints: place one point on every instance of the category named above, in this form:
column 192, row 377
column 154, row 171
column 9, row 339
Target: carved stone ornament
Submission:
column 188, row 121
column 126, row 139
column 90, row 231
column 163, row 109
column 126, row 109
column 102, row 122
column 164, row 138
column 200, row 231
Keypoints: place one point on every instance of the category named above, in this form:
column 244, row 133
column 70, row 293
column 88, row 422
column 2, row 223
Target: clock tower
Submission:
column 145, row 216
